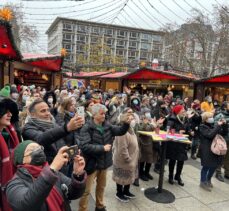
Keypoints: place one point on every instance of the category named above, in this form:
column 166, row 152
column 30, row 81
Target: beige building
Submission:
column 133, row 44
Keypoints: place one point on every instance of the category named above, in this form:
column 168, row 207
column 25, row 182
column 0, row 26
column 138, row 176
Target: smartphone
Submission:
column 80, row 111
column 72, row 151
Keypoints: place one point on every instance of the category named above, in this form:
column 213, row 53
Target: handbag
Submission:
column 219, row 145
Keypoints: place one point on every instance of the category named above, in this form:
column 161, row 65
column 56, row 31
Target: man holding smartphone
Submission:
column 96, row 143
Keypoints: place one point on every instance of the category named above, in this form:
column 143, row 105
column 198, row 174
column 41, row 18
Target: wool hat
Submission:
column 5, row 91
column 19, row 152
column 177, row 109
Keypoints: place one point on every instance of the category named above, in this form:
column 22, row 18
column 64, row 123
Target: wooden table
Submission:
column 158, row 194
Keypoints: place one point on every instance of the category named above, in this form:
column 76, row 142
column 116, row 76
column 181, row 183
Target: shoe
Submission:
column 149, row 176
column 210, row 184
column 171, row 181
column 226, row 177
column 143, row 177
column 219, row 177
column 193, row 157
column 100, row 209
column 179, row 180
column 129, row 195
column 136, row 183
column 121, row 198
column 205, row 186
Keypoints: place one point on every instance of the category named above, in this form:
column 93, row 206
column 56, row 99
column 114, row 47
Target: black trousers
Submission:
column 122, row 189
column 172, row 164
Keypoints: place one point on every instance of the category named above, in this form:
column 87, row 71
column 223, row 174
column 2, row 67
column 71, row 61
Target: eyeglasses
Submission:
column 34, row 150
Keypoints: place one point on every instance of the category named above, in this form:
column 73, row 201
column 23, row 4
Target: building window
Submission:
column 109, row 31
column 68, row 26
column 145, row 46
column 132, row 54
column 120, row 52
column 69, row 37
column 121, row 43
column 81, row 38
column 81, row 28
column 94, row 39
column 80, row 48
column 143, row 55
column 146, row 37
column 95, row 30
column 133, row 44
column 133, row 34
column 156, row 38
column 67, row 47
column 122, row 33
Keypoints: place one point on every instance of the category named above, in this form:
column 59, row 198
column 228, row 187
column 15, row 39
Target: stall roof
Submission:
column 223, row 78
column 115, row 75
column 8, row 48
column 44, row 61
column 151, row 74
column 86, row 74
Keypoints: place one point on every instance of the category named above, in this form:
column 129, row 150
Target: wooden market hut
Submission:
column 8, row 53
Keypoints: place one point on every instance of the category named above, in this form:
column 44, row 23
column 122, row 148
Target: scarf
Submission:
column 54, row 201
column 44, row 125
column 6, row 167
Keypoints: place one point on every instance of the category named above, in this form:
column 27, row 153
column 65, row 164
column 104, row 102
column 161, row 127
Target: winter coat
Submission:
column 51, row 139
column 146, row 145
column 175, row 150
column 194, row 123
column 125, row 158
column 92, row 142
column 73, row 137
column 24, row 193
column 207, row 134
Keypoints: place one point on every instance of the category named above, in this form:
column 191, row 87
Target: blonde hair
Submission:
column 64, row 104
column 206, row 115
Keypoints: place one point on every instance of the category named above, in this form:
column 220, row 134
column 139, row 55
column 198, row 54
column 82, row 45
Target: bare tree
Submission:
column 200, row 44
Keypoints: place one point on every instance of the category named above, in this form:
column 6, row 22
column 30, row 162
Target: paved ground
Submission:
column 190, row 197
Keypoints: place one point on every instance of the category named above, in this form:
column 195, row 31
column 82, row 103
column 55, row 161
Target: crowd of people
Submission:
column 38, row 127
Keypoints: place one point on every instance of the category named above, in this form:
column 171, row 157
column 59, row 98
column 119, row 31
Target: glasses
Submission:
column 34, row 150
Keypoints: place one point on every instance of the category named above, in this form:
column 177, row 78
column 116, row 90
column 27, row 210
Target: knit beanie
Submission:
column 5, row 91
column 19, row 152
column 177, row 109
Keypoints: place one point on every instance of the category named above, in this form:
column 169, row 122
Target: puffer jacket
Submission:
column 92, row 142
column 51, row 139
column 24, row 193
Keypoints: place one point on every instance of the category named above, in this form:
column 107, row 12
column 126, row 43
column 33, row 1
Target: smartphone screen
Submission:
column 80, row 111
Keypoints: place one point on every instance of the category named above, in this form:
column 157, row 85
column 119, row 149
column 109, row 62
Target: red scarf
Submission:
column 54, row 201
column 6, row 165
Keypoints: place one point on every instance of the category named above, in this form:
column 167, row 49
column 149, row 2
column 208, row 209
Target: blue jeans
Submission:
column 206, row 173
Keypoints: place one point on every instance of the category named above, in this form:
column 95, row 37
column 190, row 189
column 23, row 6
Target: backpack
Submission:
column 219, row 145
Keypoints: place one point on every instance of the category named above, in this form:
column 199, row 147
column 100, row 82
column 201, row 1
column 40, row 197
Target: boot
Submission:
column 136, row 182
column 171, row 169
column 142, row 175
column 178, row 173
column 219, row 177
column 147, row 170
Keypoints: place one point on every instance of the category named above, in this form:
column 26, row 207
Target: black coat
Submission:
column 207, row 134
column 175, row 150
column 92, row 142
column 51, row 139
column 24, row 193
column 73, row 137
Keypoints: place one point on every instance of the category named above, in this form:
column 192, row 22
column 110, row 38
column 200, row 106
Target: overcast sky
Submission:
column 148, row 14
